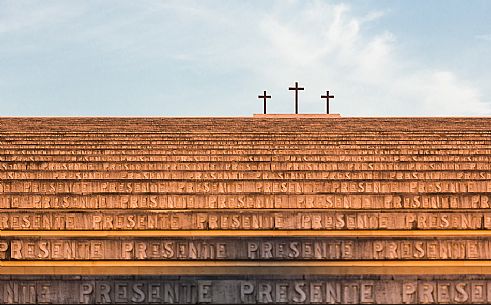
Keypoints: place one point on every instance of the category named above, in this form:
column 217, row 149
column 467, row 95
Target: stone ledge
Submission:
column 297, row 116
column 247, row 268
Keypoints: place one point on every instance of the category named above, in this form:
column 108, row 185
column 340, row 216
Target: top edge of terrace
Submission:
column 255, row 116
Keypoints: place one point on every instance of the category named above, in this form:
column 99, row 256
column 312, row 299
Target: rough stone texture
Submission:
column 270, row 209
column 260, row 290
column 246, row 248
column 297, row 116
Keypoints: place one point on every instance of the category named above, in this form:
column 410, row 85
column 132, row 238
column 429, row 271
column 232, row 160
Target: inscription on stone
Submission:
column 247, row 201
column 245, row 166
column 294, row 248
column 135, row 206
column 243, row 220
column 244, row 186
column 251, row 291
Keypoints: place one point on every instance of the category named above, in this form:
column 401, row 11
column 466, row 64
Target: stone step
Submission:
column 217, row 124
column 252, row 219
column 208, row 186
column 318, row 248
column 275, row 156
column 247, row 158
column 182, row 145
column 259, row 175
column 237, row 139
column 131, row 145
column 383, row 288
column 69, row 166
column 265, row 174
column 359, row 135
column 228, row 272
column 248, row 152
column 355, row 202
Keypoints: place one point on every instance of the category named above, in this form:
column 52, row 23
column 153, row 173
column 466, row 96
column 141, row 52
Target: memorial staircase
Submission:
column 245, row 210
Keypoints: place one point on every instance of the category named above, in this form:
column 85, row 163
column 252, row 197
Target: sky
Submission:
column 213, row 58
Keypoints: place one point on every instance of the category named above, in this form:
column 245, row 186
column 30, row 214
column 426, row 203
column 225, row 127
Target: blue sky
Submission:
column 201, row 58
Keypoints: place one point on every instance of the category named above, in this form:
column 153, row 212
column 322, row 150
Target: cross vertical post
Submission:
column 296, row 88
column 327, row 97
column 264, row 97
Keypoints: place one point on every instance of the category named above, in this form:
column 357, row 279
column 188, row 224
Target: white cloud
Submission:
column 325, row 46
column 262, row 45
column 485, row 37
column 19, row 15
column 446, row 94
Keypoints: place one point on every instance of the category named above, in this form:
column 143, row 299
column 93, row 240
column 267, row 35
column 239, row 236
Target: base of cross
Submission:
column 297, row 116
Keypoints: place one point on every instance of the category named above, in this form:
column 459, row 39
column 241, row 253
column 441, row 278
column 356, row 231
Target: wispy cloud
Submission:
column 326, row 47
column 233, row 50
column 23, row 15
column 485, row 37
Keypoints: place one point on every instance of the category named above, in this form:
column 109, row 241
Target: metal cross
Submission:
column 327, row 97
column 264, row 97
column 296, row 88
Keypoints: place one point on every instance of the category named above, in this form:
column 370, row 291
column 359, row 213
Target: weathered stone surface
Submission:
column 283, row 186
column 389, row 201
column 266, row 290
column 246, row 248
column 243, row 220
column 245, row 210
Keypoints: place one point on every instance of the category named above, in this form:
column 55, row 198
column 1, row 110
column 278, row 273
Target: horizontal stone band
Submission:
column 242, row 158
column 209, row 186
column 192, row 290
column 242, row 220
column 246, row 248
column 303, row 175
column 156, row 201
column 70, row 166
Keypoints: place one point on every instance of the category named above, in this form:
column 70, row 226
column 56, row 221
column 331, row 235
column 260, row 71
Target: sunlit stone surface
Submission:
column 300, row 209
